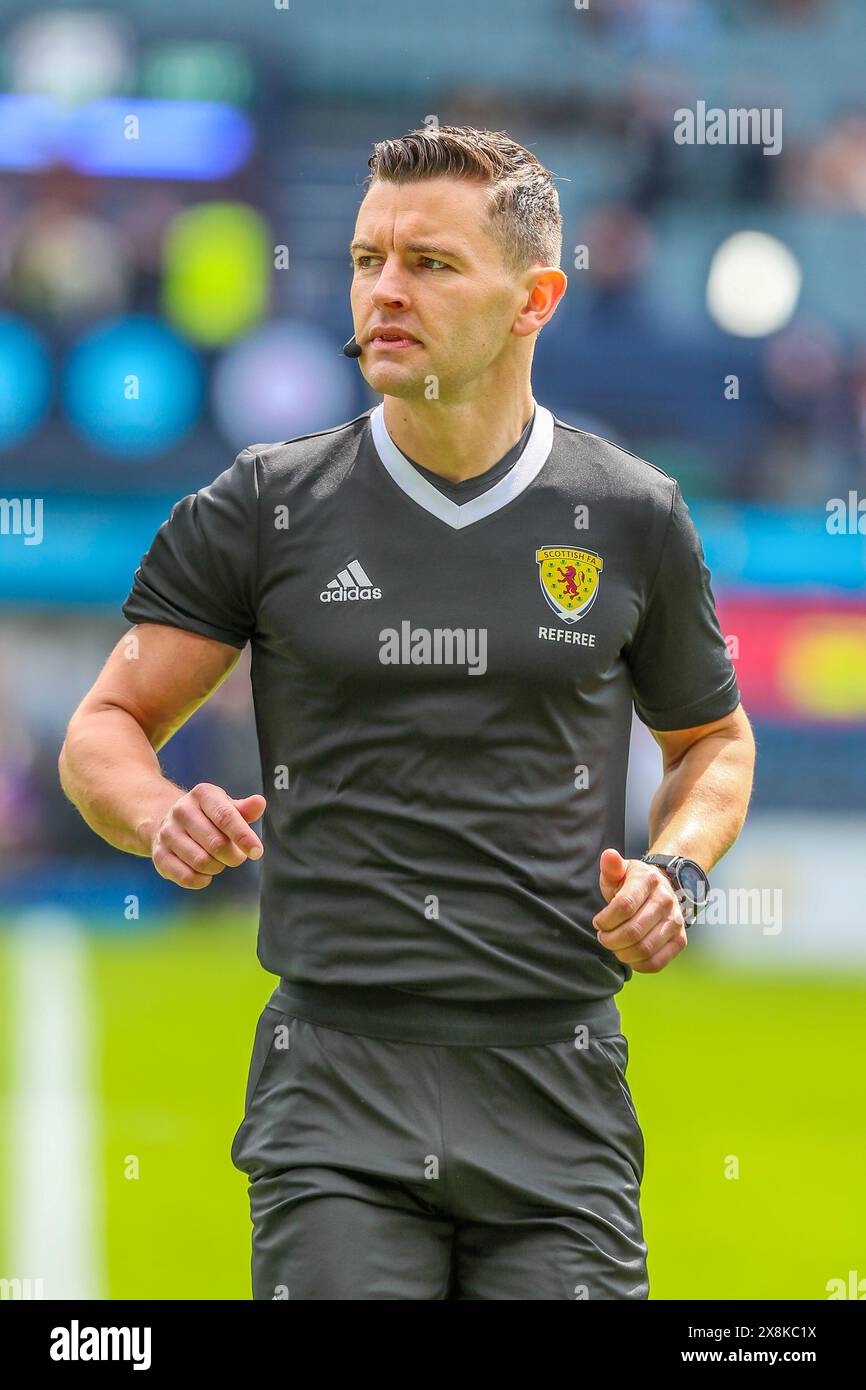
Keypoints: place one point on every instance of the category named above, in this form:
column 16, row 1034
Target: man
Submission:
column 453, row 602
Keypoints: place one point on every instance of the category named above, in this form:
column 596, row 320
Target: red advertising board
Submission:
column 798, row 659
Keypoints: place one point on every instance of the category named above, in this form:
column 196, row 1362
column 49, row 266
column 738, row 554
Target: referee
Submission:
column 453, row 603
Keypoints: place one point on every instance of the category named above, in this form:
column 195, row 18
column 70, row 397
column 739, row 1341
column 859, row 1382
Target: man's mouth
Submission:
column 391, row 341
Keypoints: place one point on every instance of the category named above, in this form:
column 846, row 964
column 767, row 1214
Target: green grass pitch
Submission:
column 764, row 1070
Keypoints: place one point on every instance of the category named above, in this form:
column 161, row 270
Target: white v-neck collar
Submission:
column 459, row 514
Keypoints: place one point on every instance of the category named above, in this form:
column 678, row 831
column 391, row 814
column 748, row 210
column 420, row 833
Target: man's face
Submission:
column 424, row 262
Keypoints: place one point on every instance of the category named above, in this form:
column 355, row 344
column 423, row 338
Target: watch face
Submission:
column 693, row 882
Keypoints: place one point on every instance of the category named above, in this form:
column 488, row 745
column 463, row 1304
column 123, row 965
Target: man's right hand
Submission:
column 203, row 832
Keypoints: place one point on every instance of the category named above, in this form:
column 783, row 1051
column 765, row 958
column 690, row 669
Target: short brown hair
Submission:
column 524, row 206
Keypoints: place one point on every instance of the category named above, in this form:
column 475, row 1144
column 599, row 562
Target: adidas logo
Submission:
column 351, row 583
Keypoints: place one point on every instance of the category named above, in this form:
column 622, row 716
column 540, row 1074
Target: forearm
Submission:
column 111, row 774
column 701, row 803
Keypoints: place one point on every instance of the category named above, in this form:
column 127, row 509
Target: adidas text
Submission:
column 342, row 595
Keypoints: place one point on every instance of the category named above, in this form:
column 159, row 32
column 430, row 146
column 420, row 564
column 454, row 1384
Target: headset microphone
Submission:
column 352, row 348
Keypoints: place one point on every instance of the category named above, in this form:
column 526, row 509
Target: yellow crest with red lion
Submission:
column 569, row 579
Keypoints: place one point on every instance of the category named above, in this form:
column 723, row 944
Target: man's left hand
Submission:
column 643, row 921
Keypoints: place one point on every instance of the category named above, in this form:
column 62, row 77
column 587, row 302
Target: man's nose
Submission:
column 390, row 283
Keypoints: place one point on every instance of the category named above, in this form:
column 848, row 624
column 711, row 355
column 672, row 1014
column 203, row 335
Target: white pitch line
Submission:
column 55, row 1194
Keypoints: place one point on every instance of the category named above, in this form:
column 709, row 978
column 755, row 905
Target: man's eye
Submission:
column 361, row 262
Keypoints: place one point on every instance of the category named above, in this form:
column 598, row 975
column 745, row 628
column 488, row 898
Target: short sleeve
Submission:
column 682, row 672
column 200, row 571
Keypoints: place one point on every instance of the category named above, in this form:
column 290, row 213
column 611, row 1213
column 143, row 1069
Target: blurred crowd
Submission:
column 240, row 272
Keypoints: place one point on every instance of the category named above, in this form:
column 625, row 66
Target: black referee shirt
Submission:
column 443, row 696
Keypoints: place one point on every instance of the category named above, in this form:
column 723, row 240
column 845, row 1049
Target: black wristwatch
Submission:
column 687, row 879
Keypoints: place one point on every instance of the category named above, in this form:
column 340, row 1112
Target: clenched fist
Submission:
column 204, row 832
column 643, row 921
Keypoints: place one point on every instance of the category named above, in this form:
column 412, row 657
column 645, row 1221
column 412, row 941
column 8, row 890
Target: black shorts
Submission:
column 385, row 1169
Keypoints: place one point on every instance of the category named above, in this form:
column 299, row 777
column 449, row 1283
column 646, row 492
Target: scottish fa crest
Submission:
column 569, row 579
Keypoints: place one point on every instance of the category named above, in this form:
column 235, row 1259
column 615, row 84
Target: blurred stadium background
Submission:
column 177, row 190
